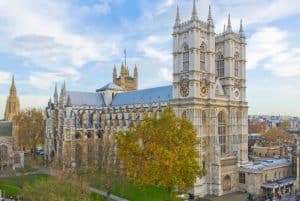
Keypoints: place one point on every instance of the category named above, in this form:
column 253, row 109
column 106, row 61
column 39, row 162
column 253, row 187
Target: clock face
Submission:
column 204, row 91
column 184, row 87
column 237, row 93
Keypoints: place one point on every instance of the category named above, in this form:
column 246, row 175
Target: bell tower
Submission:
column 13, row 103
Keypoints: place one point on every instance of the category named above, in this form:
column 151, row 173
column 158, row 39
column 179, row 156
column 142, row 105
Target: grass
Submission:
column 13, row 185
column 129, row 190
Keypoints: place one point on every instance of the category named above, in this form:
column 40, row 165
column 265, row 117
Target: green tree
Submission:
column 161, row 151
column 30, row 128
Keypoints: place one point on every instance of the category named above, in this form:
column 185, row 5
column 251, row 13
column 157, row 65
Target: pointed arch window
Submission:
column 236, row 64
column 203, row 118
column 3, row 153
column 185, row 58
column 202, row 57
column 220, row 65
column 222, row 132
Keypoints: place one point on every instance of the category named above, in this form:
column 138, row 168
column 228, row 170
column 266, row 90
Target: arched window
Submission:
column 184, row 115
column 236, row 64
column 185, row 58
column 203, row 118
column 222, row 132
column 3, row 153
column 202, row 57
column 17, row 158
column 220, row 65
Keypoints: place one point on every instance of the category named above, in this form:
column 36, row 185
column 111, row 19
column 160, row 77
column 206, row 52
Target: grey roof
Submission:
column 86, row 98
column 267, row 164
column 279, row 183
column 144, row 96
column 5, row 128
column 110, row 86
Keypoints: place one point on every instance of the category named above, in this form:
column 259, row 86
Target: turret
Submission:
column 114, row 74
column 135, row 72
column 63, row 95
column 13, row 90
column 229, row 28
column 210, row 21
column 55, row 96
column 69, row 103
column 241, row 32
column 194, row 13
column 177, row 21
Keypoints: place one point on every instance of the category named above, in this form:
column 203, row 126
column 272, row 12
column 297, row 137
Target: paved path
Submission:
column 103, row 193
column 42, row 170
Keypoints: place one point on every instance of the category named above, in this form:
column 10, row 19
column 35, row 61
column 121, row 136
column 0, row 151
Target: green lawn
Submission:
column 13, row 185
column 130, row 191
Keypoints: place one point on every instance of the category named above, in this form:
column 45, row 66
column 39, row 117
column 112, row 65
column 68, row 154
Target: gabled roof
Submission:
column 5, row 128
column 85, row 98
column 110, row 86
column 145, row 96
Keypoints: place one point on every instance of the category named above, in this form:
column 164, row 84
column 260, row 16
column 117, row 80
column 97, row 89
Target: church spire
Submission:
column 115, row 74
column 13, row 90
column 229, row 28
column 242, row 34
column 55, row 96
column 177, row 21
column 209, row 18
column 12, row 104
column 194, row 13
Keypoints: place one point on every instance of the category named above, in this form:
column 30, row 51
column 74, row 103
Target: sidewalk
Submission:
column 103, row 193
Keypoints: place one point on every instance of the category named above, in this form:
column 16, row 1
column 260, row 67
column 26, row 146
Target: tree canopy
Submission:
column 278, row 135
column 161, row 151
column 30, row 127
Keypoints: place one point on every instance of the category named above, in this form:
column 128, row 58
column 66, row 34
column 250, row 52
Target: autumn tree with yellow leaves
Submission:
column 161, row 151
column 30, row 128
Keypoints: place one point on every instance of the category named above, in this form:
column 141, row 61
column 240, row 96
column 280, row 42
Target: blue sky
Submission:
column 46, row 42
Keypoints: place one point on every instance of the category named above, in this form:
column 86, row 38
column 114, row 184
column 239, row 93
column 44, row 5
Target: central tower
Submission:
column 209, row 89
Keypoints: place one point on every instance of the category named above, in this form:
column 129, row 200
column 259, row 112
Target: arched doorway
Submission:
column 227, row 183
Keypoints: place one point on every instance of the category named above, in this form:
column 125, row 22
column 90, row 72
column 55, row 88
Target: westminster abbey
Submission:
column 209, row 88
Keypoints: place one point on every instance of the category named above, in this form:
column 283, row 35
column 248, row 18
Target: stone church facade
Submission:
column 10, row 157
column 209, row 88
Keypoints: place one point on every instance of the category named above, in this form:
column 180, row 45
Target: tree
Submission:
column 55, row 189
column 108, row 166
column 278, row 135
column 161, row 152
column 257, row 127
column 285, row 124
column 30, row 128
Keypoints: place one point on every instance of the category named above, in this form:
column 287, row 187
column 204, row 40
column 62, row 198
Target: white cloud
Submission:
column 164, row 6
column 166, row 74
column 269, row 47
column 5, row 77
column 43, row 80
column 41, row 32
column 152, row 48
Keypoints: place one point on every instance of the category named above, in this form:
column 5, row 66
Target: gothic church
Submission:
column 209, row 88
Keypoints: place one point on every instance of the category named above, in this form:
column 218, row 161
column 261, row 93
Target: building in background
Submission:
column 10, row 158
column 12, row 104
